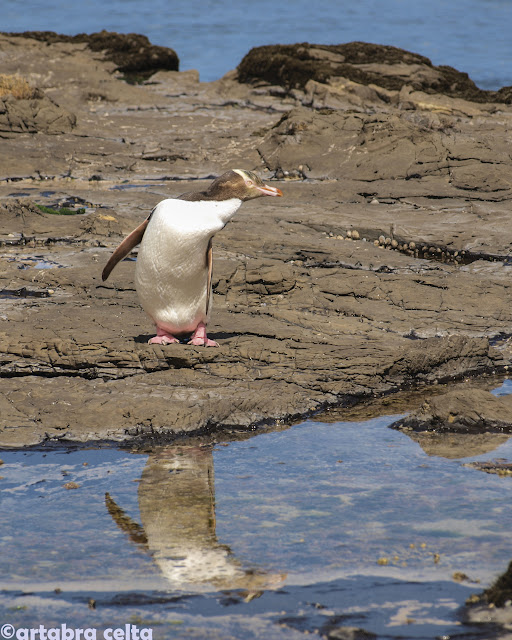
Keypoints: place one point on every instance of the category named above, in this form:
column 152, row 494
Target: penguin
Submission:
column 173, row 274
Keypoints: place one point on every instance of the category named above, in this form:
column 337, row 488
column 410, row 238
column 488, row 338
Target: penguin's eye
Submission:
column 249, row 183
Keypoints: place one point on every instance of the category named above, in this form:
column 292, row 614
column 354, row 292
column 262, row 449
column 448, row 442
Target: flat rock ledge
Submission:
column 76, row 365
column 467, row 410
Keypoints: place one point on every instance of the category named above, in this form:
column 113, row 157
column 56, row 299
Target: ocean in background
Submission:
column 213, row 36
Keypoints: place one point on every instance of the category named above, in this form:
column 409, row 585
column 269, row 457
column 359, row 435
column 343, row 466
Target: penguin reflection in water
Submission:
column 173, row 275
column 176, row 500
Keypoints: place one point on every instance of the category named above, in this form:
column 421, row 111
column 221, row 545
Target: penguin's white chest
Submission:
column 171, row 276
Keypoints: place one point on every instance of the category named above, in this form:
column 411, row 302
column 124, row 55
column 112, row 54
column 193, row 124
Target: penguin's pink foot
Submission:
column 162, row 337
column 199, row 338
column 162, row 340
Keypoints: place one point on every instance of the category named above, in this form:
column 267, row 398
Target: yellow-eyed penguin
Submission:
column 173, row 275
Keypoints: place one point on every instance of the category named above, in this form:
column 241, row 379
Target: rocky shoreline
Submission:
column 384, row 267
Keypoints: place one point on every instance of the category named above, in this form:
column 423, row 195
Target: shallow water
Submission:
column 471, row 35
column 31, row 262
column 315, row 526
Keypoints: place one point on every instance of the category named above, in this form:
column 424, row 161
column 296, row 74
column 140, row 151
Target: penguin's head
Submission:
column 244, row 185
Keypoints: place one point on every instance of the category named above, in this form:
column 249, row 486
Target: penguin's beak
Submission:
column 269, row 191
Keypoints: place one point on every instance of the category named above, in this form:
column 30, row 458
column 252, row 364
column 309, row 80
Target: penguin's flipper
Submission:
column 125, row 523
column 209, row 266
column 124, row 248
column 199, row 337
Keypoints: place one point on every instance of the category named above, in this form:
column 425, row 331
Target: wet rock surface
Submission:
column 349, row 633
column 462, row 410
column 385, row 265
column 493, row 605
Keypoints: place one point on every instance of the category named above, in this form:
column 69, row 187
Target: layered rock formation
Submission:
column 386, row 264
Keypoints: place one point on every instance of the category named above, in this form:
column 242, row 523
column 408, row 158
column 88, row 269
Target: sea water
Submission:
column 299, row 530
column 213, row 36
